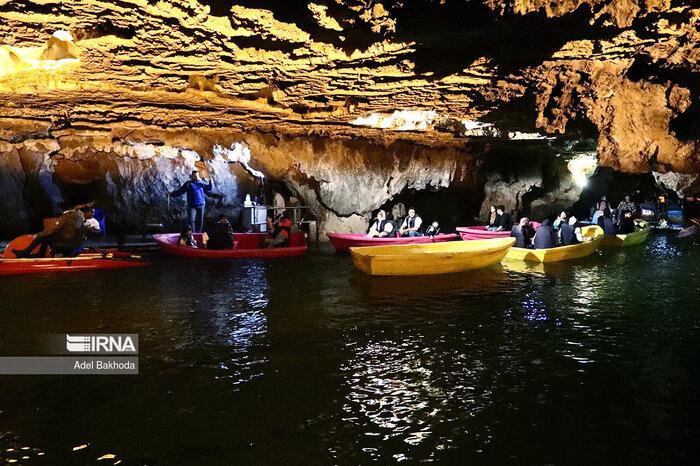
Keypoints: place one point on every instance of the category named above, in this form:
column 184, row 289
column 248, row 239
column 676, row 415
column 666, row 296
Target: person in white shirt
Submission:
column 382, row 227
column 411, row 224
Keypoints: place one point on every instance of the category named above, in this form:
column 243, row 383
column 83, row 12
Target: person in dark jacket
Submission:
column 195, row 189
column 505, row 221
column 626, row 223
column 522, row 233
column 219, row 235
column 545, row 237
column 570, row 232
column 607, row 223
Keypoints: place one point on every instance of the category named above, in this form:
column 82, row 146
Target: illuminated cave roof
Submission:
column 623, row 69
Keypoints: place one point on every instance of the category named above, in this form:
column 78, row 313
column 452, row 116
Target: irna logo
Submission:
column 100, row 344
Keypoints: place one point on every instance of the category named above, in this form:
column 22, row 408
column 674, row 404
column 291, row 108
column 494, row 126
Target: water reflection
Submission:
column 406, row 390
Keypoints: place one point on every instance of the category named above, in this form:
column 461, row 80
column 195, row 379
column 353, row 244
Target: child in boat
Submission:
column 433, row 229
column 381, row 227
column 186, row 238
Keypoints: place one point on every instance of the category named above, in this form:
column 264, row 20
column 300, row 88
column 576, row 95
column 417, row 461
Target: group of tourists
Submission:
column 564, row 231
column 615, row 221
column 411, row 226
column 220, row 234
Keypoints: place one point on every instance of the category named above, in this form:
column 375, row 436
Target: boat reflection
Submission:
column 487, row 280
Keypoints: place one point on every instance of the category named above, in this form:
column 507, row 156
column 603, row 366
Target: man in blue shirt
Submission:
column 195, row 189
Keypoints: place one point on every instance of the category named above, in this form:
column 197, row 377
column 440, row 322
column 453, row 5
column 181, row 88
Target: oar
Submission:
column 96, row 247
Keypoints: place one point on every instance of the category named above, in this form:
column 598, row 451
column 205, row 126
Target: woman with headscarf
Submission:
column 570, row 233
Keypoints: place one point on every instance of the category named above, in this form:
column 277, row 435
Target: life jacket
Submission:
column 545, row 238
column 520, row 233
column 568, row 234
column 432, row 231
column 189, row 240
column 411, row 222
column 285, row 227
column 381, row 225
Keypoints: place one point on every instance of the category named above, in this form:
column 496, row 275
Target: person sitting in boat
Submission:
column 279, row 232
column 219, row 235
column 559, row 221
column 187, row 238
column 505, row 221
column 433, row 229
column 570, row 233
column 65, row 236
column 607, row 223
column 522, row 233
column 493, row 219
column 598, row 209
column 411, row 225
column 626, row 223
column 381, row 227
column 545, row 237
column 626, row 205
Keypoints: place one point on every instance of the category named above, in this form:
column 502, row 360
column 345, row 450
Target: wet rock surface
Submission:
column 114, row 93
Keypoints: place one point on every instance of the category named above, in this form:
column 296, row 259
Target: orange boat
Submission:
column 11, row 265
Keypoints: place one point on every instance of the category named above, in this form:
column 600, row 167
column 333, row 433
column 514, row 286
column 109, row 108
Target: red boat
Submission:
column 343, row 241
column 11, row 265
column 479, row 232
column 244, row 245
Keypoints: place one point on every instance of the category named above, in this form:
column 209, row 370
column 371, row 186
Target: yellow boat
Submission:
column 593, row 235
column 430, row 258
column 638, row 237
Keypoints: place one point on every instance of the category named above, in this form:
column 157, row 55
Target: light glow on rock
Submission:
column 58, row 51
column 418, row 120
column 237, row 153
column 582, row 167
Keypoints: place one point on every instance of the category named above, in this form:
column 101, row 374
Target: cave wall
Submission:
column 341, row 179
column 626, row 67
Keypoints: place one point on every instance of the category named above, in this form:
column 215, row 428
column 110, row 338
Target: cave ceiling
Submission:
column 621, row 72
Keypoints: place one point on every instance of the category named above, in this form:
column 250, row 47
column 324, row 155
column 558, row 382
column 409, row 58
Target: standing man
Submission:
column 411, row 225
column 195, row 189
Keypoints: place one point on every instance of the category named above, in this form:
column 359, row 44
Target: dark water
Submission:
column 306, row 361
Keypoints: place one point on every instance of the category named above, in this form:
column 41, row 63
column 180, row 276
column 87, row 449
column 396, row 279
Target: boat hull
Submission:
column 246, row 245
column 430, row 259
column 561, row 253
column 71, row 264
column 632, row 239
column 480, row 232
column 345, row 241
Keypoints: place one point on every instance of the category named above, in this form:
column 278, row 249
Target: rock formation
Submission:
column 119, row 93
